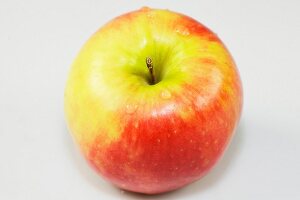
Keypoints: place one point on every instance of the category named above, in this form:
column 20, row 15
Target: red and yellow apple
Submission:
column 153, row 99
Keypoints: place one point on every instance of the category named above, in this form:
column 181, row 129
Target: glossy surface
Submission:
column 153, row 138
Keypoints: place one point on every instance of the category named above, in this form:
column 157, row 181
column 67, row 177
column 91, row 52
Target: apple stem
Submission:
column 150, row 67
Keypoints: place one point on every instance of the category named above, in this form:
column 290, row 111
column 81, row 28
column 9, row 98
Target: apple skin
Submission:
column 153, row 138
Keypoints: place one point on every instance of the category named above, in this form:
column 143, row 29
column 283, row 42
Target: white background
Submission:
column 40, row 39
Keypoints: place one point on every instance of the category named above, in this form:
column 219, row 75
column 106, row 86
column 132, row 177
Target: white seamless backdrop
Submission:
column 40, row 39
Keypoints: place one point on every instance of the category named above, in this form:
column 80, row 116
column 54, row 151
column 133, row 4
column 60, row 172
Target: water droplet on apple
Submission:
column 123, row 184
column 150, row 15
column 99, row 146
column 143, row 42
column 182, row 30
column 225, row 124
column 158, row 140
column 173, row 120
column 201, row 101
column 130, row 108
column 205, row 162
column 165, row 94
column 136, row 124
column 97, row 162
column 185, row 32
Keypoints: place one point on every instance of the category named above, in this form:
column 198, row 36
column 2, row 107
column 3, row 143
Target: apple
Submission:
column 152, row 100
